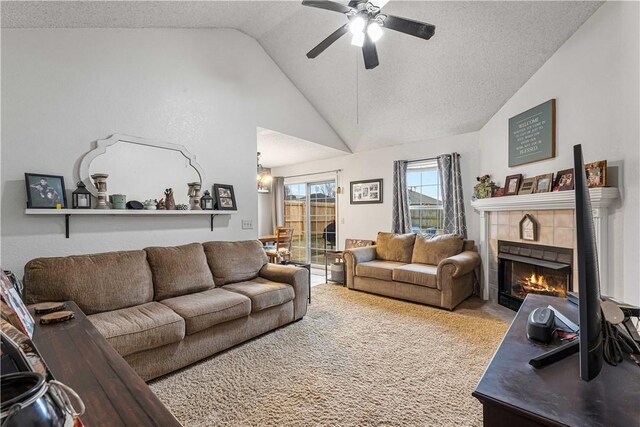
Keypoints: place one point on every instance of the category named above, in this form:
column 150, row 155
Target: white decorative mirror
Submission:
column 141, row 168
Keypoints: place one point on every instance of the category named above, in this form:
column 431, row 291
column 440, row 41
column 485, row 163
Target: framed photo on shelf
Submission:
column 512, row 184
column 564, row 180
column 368, row 191
column 544, row 183
column 225, row 197
column 527, row 186
column 596, row 174
column 45, row 191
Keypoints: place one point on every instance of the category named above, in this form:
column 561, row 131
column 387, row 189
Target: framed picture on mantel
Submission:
column 532, row 134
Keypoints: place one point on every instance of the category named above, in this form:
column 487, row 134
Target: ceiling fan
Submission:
column 366, row 23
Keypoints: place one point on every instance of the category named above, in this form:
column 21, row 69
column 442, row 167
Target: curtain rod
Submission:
column 423, row 160
column 429, row 158
column 315, row 173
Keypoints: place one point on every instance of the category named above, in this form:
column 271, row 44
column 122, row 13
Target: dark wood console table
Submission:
column 80, row 357
column 513, row 393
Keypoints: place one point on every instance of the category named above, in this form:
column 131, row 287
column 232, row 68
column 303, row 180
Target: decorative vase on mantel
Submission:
column 169, row 203
column 194, row 196
column 100, row 181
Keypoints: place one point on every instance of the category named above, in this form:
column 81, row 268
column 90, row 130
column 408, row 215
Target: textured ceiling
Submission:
column 481, row 54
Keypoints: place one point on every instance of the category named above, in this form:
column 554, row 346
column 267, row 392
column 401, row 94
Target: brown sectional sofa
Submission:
column 163, row 308
column 437, row 271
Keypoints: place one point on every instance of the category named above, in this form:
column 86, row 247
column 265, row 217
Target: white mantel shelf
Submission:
column 121, row 212
column 600, row 198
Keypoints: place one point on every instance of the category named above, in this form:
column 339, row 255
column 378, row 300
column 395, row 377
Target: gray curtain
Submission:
column 401, row 215
column 452, row 199
column 277, row 214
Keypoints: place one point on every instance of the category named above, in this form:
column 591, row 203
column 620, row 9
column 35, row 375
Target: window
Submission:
column 425, row 196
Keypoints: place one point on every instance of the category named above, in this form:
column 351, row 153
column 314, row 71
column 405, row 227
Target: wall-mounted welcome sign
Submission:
column 532, row 134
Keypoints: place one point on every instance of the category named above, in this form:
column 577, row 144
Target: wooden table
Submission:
column 80, row 357
column 269, row 238
column 513, row 393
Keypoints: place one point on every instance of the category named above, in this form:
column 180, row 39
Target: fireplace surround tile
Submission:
column 564, row 219
column 503, row 218
column 515, row 217
column 546, row 235
column 545, row 218
column 563, row 237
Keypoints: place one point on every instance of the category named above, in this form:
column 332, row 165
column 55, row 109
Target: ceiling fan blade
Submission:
column 328, row 5
column 328, row 41
column 408, row 26
column 370, row 53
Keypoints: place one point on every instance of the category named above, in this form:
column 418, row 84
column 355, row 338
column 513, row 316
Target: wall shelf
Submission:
column 121, row 212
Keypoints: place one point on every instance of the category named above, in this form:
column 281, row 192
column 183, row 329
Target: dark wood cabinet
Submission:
column 513, row 393
column 80, row 357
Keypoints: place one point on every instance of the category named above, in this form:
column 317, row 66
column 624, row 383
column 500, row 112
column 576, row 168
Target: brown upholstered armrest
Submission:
column 465, row 262
column 354, row 256
column 294, row 276
column 364, row 254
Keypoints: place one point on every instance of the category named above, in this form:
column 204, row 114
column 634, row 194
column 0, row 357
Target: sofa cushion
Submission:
column 263, row 293
column 395, row 247
column 417, row 274
column 235, row 261
column 202, row 310
column 377, row 269
column 435, row 249
column 97, row 283
column 179, row 270
column 143, row 327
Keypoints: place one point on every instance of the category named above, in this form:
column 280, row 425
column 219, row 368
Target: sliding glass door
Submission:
column 310, row 209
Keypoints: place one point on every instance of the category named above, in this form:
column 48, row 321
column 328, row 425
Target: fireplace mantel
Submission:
column 601, row 200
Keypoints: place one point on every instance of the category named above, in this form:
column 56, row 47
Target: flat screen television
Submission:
column 591, row 356
column 589, row 344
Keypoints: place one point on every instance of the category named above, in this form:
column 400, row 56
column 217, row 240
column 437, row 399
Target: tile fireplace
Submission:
column 524, row 268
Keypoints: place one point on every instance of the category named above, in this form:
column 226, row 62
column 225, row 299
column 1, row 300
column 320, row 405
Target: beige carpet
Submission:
column 354, row 360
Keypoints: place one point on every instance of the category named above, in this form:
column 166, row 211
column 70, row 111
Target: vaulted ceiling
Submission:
column 481, row 54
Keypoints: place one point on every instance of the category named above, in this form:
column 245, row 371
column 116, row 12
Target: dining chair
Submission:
column 282, row 249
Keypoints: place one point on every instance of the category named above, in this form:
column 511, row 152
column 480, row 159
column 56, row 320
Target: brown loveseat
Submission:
column 163, row 308
column 437, row 271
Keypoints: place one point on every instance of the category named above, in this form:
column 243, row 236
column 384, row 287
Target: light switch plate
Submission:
column 247, row 224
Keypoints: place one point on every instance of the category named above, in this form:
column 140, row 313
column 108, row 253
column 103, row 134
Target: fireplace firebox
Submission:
column 525, row 268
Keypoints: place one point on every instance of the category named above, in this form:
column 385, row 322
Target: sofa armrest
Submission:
column 354, row 256
column 294, row 276
column 463, row 263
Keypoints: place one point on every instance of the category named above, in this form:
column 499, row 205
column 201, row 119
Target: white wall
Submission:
column 364, row 221
column 594, row 76
column 205, row 89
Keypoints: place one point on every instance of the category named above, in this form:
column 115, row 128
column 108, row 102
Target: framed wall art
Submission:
column 527, row 186
column 564, row 180
column 544, row 183
column 596, row 174
column 45, row 191
column 512, row 184
column 368, row 191
column 532, row 134
column 529, row 228
column 224, row 197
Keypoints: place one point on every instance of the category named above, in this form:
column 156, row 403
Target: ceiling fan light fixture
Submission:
column 357, row 25
column 379, row 3
column 358, row 39
column 374, row 31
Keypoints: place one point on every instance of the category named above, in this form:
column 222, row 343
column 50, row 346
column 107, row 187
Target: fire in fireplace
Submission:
column 525, row 268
